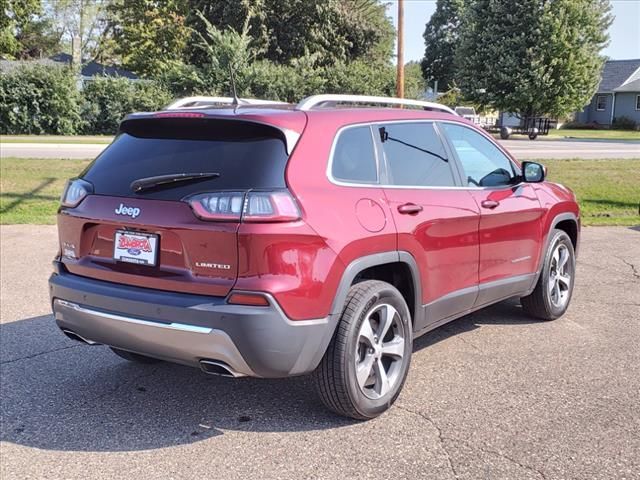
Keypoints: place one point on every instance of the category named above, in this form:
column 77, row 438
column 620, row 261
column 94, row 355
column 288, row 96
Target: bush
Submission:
column 182, row 80
column 39, row 99
column 108, row 100
column 624, row 123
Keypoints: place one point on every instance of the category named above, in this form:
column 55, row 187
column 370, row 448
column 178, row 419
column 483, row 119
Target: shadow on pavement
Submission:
column 19, row 198
column 58, row 394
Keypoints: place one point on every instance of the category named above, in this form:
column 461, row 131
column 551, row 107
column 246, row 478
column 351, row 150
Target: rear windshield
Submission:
column 245, row 155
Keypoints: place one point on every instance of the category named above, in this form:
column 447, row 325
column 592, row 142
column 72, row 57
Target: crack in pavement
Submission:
column 634, row 270
column 471, row 344
column 442, row 438
column 508, row 458
column 38, row 354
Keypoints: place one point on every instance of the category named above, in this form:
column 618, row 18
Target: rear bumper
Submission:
column 182, row 328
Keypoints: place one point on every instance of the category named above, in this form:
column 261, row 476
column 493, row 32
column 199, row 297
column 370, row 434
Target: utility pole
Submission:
column 400, row 66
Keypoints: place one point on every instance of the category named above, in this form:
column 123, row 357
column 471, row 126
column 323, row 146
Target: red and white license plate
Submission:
column 135, row 247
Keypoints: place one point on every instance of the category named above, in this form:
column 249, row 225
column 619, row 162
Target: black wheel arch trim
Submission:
column 360, row 264
column 561, row 217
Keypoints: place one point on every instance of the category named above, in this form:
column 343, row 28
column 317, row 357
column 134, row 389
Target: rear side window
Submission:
column 415, row 155
column 354, row 158
column 246, row 156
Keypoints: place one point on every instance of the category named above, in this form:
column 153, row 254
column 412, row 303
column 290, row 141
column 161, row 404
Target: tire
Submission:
column 533, row 135
column 357, row 348
column 133, row 357
column 505, row 133
column 552, row 295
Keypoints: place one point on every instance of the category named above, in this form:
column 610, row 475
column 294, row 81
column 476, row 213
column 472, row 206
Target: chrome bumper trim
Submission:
column 170, row 326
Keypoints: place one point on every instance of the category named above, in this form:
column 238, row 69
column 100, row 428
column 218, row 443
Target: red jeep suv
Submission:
column 270, row 240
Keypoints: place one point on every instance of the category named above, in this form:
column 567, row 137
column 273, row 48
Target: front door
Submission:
column 436, row 221
column 510, row 214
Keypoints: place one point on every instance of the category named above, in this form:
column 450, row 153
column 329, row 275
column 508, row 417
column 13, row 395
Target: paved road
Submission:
column 50, row 150
column 521, row 148
column 589, row 149
column 494, row 395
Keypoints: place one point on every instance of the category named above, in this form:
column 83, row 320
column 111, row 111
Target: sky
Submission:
column 624, row 32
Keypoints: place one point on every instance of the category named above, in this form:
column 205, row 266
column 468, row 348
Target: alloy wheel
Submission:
column 380, row 351
column 559, row 284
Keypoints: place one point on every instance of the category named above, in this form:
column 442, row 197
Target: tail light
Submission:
column 247, row 207
column 74, row 192
column 221, row 206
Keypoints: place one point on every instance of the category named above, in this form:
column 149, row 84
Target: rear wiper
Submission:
column 165, row 180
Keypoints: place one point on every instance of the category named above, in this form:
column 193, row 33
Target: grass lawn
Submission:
column 608, row 190
column 594, row 134
column 78, row 139
column 30, row 188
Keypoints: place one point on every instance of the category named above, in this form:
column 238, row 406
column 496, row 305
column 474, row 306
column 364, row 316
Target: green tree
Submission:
column 414, row 84
column 225, row 51
column 537, row 57
column 150, row 36
column 332, row 30
column 24, row 30
column 441, row 37
column 80, row 23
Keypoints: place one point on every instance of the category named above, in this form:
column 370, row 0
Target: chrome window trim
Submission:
column 371, row 124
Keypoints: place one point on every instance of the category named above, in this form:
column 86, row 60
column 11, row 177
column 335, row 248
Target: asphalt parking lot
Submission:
column 494, row 395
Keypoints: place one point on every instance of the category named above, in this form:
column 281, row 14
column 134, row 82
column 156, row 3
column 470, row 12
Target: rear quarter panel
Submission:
column 348, row 222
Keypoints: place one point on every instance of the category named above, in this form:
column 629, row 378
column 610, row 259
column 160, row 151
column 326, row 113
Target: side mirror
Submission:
column 533, row 172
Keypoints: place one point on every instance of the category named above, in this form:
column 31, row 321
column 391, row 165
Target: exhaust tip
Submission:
column 74, row 336
column 215, row 367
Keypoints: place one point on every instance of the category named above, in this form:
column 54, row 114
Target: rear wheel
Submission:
column 366, row 363
column 552, row 294
column 133, row 357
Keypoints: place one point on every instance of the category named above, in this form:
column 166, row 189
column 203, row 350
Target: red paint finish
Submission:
column 186, row 245
column 510, row 232
column 459, row 237
column 443, row 238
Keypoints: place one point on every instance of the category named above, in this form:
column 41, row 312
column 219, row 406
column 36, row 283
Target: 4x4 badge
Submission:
column 132, row 212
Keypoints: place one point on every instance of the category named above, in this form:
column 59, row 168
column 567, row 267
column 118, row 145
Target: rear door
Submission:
column 510, row 214
column 437, row 222
column 153, row 237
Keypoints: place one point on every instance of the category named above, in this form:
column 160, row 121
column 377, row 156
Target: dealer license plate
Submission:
column 135, row 247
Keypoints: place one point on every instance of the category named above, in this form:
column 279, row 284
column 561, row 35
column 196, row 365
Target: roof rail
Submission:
column 200, row 102
column 320, row 100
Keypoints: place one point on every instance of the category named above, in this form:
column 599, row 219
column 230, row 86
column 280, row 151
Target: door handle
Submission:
column 490, row 204
column 409, row 209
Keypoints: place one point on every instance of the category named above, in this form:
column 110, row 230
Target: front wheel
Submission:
column 366, row 363
column 551, row 297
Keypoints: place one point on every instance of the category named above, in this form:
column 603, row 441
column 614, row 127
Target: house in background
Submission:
column 618, row 94
column 88, row 71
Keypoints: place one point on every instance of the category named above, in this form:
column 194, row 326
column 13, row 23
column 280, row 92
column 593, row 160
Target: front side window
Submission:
column 415, row 155
column 483, row 163
column 354, row 158
column 601, row 103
